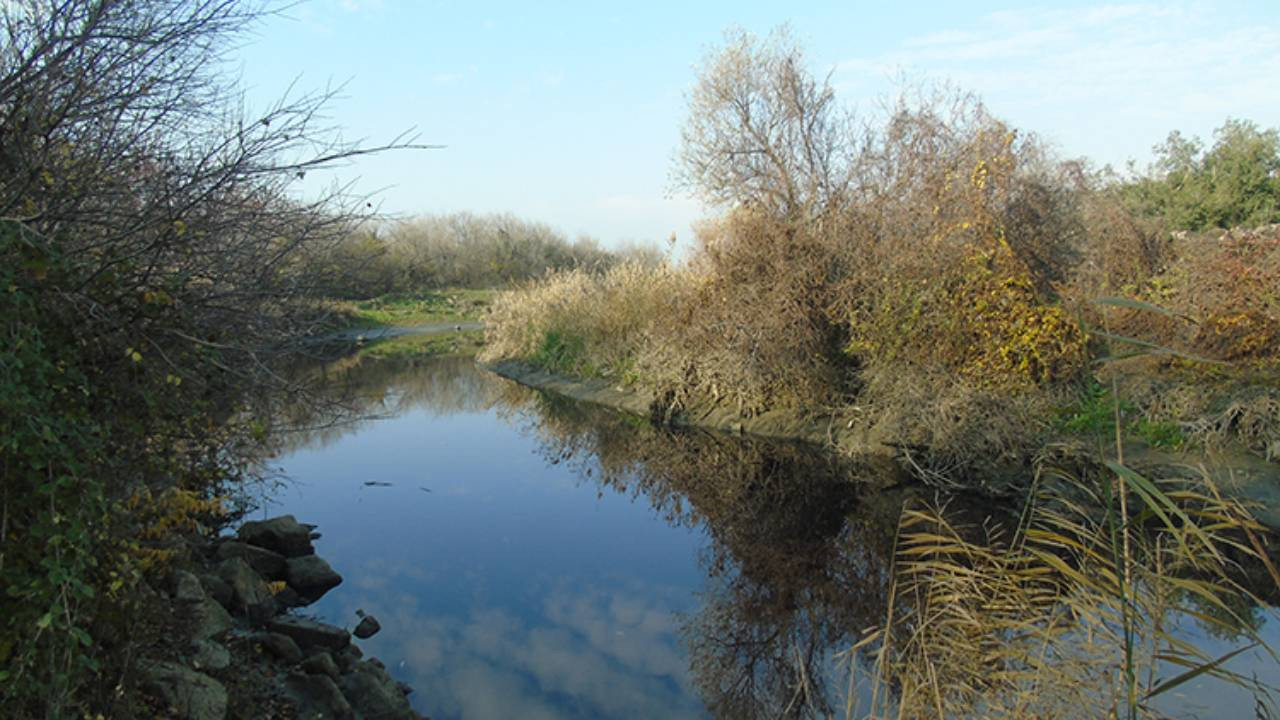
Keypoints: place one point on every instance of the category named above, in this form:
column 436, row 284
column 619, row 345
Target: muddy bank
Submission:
column 1237, row 472
column 778, row 424
column 236, row 648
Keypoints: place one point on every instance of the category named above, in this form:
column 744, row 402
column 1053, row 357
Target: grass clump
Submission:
column 423, row 345
column 416, row 308
column 1074, row 612
column 582, row 323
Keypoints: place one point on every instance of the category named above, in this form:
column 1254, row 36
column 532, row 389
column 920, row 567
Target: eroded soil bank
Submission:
column 1252, row 479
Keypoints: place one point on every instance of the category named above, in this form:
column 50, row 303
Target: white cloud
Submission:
column 614, row 652
column 1107, row 81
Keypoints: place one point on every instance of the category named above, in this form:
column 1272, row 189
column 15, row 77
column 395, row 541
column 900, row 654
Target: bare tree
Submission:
column 123, row 145
column 762, row 131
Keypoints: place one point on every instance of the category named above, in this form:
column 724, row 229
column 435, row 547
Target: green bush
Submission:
column 1234, row 183
column 53, row 497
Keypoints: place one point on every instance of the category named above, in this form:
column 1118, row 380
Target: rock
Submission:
column 367, row 628
column 187, row 693
column 318, row 697
column 217, row 588
column 311, row 634
column 284, row 535
column 207, row 654
column 280, row 645
column 289, row 598
column 373, row 693
column 404, row 688
column 267, row 563
column 187, row 588
column 207, row 619
column 321, row 664
column 311, row 576
column 347, row 658
column 250, row 596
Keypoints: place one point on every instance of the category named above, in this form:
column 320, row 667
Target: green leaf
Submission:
column 82, row 636
column 44, row 621
column 1160, row 504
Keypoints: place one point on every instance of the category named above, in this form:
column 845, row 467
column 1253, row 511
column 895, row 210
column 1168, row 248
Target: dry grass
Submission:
column 1217, row 374
column 954, row 431
column 1071, row 613
column 582, row 323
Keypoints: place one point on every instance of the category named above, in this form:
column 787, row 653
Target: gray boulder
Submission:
column 187, row 694
column 318, row 698
column 284, row 535
column 367, row 627
column 321, row 663
column 216, row 588
column 310, row 576
column 280, row 645
column 187, row 588
column 267, row 563
column 207, row 619
column 209, row 655
column 348, row 657
column 250, row 595
column 311, row 634
column 373, row 693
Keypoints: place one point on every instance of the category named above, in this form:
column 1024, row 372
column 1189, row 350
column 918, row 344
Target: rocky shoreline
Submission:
column 236, row 648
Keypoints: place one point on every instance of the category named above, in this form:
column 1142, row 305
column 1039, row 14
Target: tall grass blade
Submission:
column 1151, row 348
column 1140, row 305
column 1196, row 672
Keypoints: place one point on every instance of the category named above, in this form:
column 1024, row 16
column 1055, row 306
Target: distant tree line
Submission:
column 1236, row 182
column 463, row 250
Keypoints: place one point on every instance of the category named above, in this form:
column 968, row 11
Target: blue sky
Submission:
column 570, row 113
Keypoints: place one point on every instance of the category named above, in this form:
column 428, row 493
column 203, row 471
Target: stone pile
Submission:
column 233, row 606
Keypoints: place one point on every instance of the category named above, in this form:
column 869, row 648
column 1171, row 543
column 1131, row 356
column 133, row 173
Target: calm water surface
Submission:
column 528, row 556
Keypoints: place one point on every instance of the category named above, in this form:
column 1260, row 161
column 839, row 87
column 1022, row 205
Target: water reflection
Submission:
column 536, row 556
column 799, row 557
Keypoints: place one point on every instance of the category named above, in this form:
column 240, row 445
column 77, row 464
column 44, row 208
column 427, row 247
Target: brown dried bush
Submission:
column 752, row 326
column 850, row 261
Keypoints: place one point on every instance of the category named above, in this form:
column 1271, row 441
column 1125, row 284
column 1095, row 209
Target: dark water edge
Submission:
column 530, row 553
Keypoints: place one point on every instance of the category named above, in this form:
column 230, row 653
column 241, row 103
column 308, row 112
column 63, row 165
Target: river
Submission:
column 528, row 556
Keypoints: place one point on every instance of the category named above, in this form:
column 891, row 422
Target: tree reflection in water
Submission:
column 802, row 542
column 800, row 554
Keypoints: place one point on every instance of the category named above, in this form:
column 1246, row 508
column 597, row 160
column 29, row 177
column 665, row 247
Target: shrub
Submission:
column 151, row 276
column 1222, row 297
column 581, row 323
column 1234, row 183
column 461, row 250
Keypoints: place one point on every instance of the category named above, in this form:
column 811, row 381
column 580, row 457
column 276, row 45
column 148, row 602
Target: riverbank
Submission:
column 227, row 643
column 1237, row 472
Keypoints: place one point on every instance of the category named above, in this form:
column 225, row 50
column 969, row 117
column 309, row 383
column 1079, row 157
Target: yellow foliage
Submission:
column 986, row 322
column 1016, row 338
column 174, row 510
